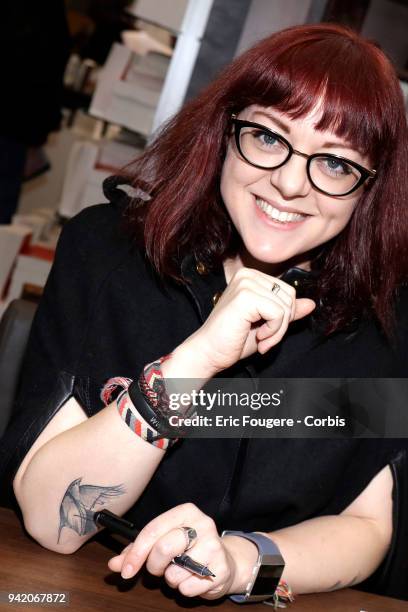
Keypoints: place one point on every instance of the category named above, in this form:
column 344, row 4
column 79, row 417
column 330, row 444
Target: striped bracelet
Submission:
column 131, row 415
column 134, row 421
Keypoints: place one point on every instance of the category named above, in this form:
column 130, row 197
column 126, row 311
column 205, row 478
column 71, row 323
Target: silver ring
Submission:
column 191, row 535
column 275, row 288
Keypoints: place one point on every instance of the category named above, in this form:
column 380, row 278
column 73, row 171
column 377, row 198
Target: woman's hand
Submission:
column 162, row 539
column 248, row 317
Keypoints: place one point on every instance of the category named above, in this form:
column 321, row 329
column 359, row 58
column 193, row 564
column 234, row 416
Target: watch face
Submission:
column 267, row 580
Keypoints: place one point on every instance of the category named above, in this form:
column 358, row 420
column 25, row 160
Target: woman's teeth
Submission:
column 277, row 215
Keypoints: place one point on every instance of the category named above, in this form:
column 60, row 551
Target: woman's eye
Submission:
column 337, row 167
column 266, row 139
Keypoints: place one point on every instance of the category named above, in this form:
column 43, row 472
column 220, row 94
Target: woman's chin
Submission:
column 274, row 261
column 274, row 256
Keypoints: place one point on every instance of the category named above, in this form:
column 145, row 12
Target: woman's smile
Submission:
column 276, row 217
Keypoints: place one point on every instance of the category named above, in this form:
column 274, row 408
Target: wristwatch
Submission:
column 267, row 570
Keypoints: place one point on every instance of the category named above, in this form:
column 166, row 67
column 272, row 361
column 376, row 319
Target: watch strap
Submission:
column 267, row 551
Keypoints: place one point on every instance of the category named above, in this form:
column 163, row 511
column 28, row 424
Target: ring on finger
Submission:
column 190, row 535
column 275, row 288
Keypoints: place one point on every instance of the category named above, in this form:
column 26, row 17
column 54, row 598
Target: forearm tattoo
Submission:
column 79, row 505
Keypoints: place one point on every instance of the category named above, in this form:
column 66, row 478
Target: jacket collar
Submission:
column 205, row 285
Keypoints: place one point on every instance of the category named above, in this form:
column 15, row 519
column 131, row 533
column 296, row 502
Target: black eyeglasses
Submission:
column 331, row 174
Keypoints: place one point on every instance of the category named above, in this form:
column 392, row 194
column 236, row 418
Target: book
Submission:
column 12, row 238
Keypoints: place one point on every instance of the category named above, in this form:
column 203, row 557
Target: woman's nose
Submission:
column 291, row 179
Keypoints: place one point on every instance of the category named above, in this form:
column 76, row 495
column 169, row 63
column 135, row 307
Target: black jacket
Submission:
column 105, row 314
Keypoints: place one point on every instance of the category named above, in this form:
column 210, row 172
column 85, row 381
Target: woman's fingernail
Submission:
column 127, row 571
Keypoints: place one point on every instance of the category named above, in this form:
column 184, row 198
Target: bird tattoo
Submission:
column 79, row 504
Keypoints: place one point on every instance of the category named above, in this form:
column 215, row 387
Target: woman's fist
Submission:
column 253, row 314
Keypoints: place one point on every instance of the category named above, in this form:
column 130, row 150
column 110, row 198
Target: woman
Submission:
column 293, row 163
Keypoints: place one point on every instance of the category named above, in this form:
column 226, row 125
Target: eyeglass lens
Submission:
column 266, row 149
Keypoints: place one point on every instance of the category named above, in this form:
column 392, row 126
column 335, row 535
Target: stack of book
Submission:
column 129, row 88
column 12, row 238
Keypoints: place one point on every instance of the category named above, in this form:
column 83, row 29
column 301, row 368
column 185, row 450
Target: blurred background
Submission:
column 87, row 82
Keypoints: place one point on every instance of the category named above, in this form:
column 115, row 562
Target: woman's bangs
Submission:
column 344, row 103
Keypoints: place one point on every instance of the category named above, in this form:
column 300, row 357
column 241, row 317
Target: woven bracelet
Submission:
column 282, row 598
column 133, row 413
column 152, row 386
column 150, row 413
column 138, row 425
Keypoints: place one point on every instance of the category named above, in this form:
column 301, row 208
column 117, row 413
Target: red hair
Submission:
column 292, row 70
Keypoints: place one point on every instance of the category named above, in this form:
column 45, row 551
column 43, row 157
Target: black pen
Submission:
column 125, row 528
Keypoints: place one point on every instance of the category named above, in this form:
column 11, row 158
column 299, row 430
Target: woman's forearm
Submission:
column 330, row 552
column 98, row 463
column 322, row 554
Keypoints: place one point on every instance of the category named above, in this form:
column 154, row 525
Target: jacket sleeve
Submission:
column 50, row 373
column 391, row 578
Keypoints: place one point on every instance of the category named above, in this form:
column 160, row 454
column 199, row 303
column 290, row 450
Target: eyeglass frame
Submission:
column 365, row 173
